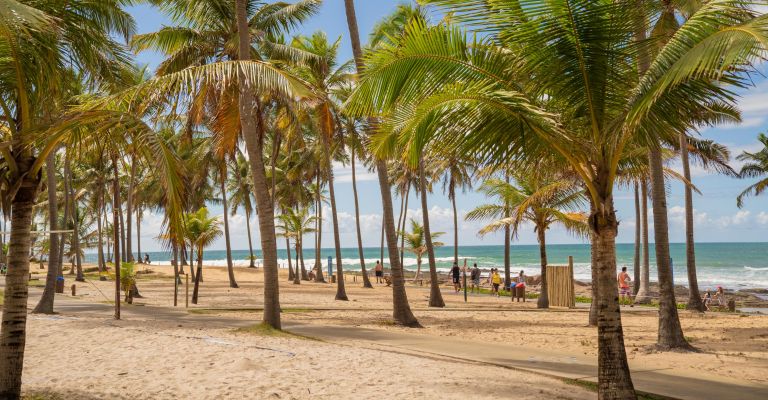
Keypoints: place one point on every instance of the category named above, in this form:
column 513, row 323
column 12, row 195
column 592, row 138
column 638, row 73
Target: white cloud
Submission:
column 762, row 218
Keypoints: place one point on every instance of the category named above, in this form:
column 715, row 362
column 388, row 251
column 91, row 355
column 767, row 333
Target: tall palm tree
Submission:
column 458, row 175
column 756, row 166
column 35, row 57
column 710, row 155
column 324, row 76
column 222, row 178
column 416, row 243
column 401, row 310
column 503, row 97
column 201, row 230
column 542, row 198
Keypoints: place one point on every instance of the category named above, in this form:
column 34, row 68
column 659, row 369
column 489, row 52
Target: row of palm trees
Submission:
column 555, row 106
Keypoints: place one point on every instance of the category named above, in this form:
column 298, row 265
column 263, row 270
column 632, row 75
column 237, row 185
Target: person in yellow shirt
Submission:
column 495, row 281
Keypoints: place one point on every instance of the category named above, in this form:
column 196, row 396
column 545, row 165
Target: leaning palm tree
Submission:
column 542, row 198
column 756, row 166
column 401, row 312
column 504, row 97
column 201, row 230
column 416, row 244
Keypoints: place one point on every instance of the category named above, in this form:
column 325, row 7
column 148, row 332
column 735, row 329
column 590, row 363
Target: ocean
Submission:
column 731, row 265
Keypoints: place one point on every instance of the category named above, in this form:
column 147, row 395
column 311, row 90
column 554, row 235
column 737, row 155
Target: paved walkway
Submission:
column 666, row 382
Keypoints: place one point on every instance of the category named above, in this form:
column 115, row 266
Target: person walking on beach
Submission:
column 495, row 281
column 456, row 274
column 474, row 277
column 379, row 271
column 624, row 290
column 146, row 259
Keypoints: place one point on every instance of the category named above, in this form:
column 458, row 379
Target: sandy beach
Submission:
column 213, row 351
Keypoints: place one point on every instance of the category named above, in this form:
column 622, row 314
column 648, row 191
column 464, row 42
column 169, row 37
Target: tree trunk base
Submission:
column 341, row 297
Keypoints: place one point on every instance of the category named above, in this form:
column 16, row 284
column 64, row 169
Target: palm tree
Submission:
column 401, row 310
column 201, row 230
column 458, row 175
column 756, row 166
column 323, row 74
column 712, row 156
column 295, row 224
column 241, row 194
column 542, row 198
column 244, row 32
column 503, row 97
column 415, row 241
column 34, row 58
column 222, row 179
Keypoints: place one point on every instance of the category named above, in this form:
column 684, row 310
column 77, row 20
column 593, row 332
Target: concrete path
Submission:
column 666, row 382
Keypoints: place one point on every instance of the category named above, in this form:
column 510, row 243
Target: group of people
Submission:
column 494, row 279
column 625, row 292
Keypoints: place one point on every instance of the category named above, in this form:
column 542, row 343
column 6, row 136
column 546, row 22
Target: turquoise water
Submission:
column 732, row 265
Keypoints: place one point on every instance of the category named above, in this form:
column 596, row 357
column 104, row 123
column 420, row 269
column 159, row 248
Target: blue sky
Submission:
column 717, row 217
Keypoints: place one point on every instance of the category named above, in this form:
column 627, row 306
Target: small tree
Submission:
column 201, row 230
column 416, row 243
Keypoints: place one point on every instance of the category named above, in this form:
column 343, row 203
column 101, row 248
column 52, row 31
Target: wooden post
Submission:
column 186, row 297
column 571, row 291
column 74, row 290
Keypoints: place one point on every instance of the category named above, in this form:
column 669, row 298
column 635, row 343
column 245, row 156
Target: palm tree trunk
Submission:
column 402, row 226
column 614, row 379
column 99, row 228
column 75, row 220
column 290, row 263
column 116, row 214
column 543, row 301
column 45, row 305
column 636, row 264
column 507, row 240
column 122, row 232
column 366, row 281
column 670, row 332
column 297, row 274
column 594, row 290
column 191, row 267
column 401, row 310
column 418, row 268
column 694, row 297
column 252, row 263
column 381, row 249
column 14, row 320
column 435, row 297
column 455, row 230
column 223, row 188
column 319, row 232
column 253, row 131
column 304, row 276
column 138, row 233
column 198, row 275
column 643, row 293
column 129, row 212
column 66, row 220
column 341, row 293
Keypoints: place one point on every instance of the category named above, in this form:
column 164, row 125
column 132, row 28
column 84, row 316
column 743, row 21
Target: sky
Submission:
column 717, row 219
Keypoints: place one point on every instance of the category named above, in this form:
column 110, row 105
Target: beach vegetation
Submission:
column 755, row 166
column 444, row 90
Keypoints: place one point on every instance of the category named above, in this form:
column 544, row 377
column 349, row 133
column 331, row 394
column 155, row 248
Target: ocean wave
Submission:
column 755, row 269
